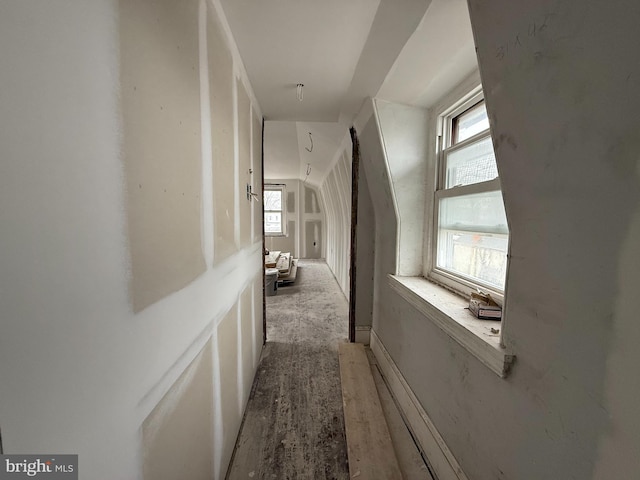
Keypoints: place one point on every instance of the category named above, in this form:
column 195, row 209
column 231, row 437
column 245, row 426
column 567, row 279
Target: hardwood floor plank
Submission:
column 370, row 449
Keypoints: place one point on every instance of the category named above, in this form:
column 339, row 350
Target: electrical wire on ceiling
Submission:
column 311, row 140
column 307, row 173
column 299, row 92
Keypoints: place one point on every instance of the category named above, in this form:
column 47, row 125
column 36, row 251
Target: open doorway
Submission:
column 293, row 229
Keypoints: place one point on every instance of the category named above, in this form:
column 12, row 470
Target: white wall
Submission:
column 79, row 370
column 306, row 207
column 561, row 93
column 336, row 195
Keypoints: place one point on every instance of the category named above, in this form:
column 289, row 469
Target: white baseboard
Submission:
column 441, row 460
column 363, row 334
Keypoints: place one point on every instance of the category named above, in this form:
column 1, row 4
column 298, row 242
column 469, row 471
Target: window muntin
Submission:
column 274, row 211
column 472, row 236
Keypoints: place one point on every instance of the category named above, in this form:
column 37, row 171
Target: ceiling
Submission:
column 343, row 52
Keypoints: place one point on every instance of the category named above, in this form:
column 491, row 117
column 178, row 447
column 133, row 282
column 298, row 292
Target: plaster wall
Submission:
column 554, row 75
column 404, row 130
column 83, row 369
column 374, row 167
column 365, row 253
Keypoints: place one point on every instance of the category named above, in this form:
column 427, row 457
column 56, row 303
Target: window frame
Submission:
column 445, row 146
column 282, row 188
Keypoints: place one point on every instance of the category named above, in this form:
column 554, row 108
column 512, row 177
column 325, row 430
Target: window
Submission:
column 471, row 233
column 274, row 211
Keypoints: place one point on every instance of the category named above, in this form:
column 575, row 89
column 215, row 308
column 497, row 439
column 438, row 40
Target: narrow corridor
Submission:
column 294, row 426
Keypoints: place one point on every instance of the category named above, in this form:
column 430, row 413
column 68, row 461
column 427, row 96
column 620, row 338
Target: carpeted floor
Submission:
column 294, row 425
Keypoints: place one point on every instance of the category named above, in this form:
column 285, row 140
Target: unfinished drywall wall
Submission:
column 229, row 373
column 247, row 349
column 161, row 145
column 256, row 156
column 177, row 436
column 221, row 84
column 291, row 202
column 258, row 319
column 311, row 202
column 298, row 194
column 554, row 74
column 311, row 221
column 244, row 162
column 71, row 344
column 336, row 196
column 313, row 238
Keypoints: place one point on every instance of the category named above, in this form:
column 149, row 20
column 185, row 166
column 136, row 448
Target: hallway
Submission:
column 294, row 424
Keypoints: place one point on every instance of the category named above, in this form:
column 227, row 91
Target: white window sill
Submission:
column 447, row 311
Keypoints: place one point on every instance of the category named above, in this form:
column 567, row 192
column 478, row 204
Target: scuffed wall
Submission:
column 105, row 105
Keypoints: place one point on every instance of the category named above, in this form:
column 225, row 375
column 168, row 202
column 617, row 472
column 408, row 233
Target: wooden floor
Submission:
column 369, row 444
column 294, row 423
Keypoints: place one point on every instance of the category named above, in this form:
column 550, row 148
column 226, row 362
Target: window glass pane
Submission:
column 477, row 257
column 480, row 212
column 470, row 123
column 273, row 222
column 471, row 164
column 273, row 200
column 473, row 237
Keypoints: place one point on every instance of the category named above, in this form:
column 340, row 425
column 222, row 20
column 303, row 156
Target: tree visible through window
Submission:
column 274, row 211
column 472, row 234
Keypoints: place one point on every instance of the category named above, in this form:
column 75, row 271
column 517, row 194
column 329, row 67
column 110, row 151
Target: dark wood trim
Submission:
column 355, row 169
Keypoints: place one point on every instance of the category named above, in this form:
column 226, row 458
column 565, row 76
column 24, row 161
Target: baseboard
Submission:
column 441, row 461
column 363, row 334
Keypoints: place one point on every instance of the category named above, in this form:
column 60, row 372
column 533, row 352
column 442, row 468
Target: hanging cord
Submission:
column 311, row 139
column 307, row 173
